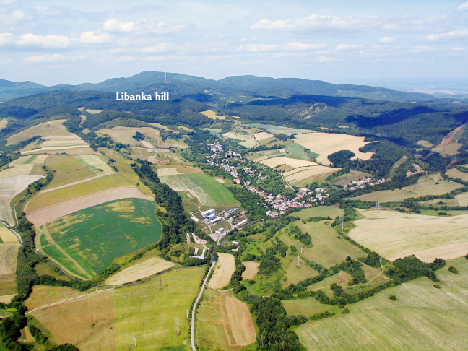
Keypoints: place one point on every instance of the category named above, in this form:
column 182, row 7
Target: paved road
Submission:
column 194, row 348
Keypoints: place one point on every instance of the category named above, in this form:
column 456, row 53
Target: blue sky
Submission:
column 360, row 41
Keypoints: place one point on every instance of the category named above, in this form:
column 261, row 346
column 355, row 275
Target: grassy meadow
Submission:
column 421, row 318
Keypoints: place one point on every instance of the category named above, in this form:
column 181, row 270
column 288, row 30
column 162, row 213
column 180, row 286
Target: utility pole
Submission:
column 134, row 340
column 187, row 314
column 301, row 249
column 342, row 225
column 298, row 261
column 378, row 206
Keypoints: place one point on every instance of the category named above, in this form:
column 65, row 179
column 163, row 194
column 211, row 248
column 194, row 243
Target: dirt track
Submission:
column 51, row 213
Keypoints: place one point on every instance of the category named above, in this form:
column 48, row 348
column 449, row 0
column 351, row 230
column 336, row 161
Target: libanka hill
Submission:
column 123, row 96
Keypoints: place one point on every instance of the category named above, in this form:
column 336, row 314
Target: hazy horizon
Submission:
column 384, row 43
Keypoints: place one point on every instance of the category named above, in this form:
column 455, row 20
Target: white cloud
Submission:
column 453, row 34
column 162, row 47
column 92, row 38
column 126, row 59
column 273, row 47
column 423, row 48
column 463, row 7
column 44, row 40
column 257, row 47
column 5, row 38
column 348, row 47
column 302, row 46
column 114, row 25
column 326, row 59
column 387, row 40
column 315, row 21
column 141, row 27
column 45, row 58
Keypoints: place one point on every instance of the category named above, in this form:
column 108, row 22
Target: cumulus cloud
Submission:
column 315, row 21
column 45, row 58
column 161, row 47
column 326, row 59
column 453, row 34
column 92, row 38
column 141, row 27
column 387, row 40
column 463, row 7
column 47, row 41
column 114, row 25
column 348, row 47
column 5, row 38
column 273, row 47
column 424, row 48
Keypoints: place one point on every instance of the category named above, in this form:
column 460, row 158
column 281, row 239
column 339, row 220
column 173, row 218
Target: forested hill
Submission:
column 401, row 122
column 232, row 88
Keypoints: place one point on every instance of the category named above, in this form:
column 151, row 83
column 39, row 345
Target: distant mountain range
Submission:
column 257, row 87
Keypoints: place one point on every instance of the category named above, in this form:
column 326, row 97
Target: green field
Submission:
column 207, row 190
column 270, row 128
column 97, row 235
column 421, row 318
column 148, row 313
column 67, row 170
column 321, row 211
column 327, row 248
column 299, row 152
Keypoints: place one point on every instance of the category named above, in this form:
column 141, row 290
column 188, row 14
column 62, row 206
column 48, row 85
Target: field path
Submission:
column 76, row 182
column 52, row 241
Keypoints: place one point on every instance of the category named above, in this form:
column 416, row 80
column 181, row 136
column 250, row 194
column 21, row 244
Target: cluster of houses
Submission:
column 276, row 205
column 362, row 183
column 280, row 204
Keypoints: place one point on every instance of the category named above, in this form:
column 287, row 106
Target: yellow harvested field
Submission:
column 247, row 139
column 3, row 123
column 84, row 319
column 9, row 188
column 147, row 144
column 8, row 258
column 219, row 180
column 325, row 144
column 447, row 150
column 262, row 136
column 462, row 199
column 167, row 171
column 283, row 160
column 142, row 269
column 455, row 173
column 297, row 175
column 46, row 129
column 238, row 316
column 125, row 135
column 93, row 112
column 225, row 268
column 96, row 162
column 211, row 114
column 426, row 185
column 52, row 212
column 251, row 269
column 425, row 143
column 55, row 144
column 395, row 235
column 7, row 235
column 17, row 170
column 6, row 298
